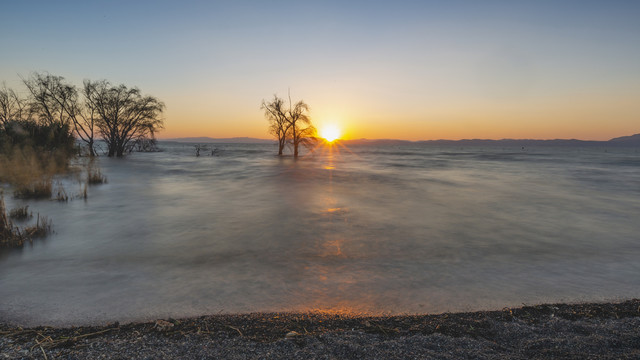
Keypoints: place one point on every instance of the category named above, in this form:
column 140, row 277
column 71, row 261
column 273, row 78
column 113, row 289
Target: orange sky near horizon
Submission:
column 569, row 117
column 413, row 70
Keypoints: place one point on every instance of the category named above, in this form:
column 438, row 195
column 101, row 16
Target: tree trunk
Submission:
column 280, row 146
column 120, row 149
column 113, row 148
column 295, row 142
column 92, row 152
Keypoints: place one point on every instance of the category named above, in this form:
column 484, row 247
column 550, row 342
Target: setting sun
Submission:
column 330, row 133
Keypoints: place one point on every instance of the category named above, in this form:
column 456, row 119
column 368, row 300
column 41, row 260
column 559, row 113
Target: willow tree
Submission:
column 123, row 114
column 291, row 126
column 278, row 125
column 300, row 128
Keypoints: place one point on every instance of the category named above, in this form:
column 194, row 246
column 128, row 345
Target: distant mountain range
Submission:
column 633, row 140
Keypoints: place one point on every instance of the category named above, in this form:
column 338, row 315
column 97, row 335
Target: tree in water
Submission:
column 300, row 128
column 124, row 114
column 291, row 125
column 277, row 117
column 121, row 116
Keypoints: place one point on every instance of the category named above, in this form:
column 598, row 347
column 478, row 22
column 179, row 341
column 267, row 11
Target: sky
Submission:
column 414, row 70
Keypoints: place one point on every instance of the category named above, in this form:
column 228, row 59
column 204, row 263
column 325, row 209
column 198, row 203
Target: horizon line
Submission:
column 402, row 140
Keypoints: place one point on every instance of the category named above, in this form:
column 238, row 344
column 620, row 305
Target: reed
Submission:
column 14, row 237
column 94, row 175
column 61, row 194
column 42, row 227
column 30, row 171
column 38, row 189
column 10, row 236
column 21, row 213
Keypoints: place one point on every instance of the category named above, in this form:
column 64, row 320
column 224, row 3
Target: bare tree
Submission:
column 12, row 107
column 42, row 102
column 123, row 114
column 277, row 117
column 84, row 120
column 289, row 126
column 300, row 128
column 56, row 101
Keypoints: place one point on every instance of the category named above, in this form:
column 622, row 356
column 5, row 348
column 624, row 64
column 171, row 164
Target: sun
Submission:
column 330, row 132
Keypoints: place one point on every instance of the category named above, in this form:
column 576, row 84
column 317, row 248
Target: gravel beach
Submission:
column 567, row 331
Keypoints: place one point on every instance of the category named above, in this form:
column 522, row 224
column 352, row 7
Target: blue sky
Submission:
column 403, row 69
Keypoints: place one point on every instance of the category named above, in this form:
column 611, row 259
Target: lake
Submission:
column 361, row 229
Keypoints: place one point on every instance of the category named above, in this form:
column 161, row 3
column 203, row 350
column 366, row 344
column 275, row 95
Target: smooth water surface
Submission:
column 389, row 229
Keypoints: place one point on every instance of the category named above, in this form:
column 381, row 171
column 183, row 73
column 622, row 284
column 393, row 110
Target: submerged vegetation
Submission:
column 21, row 213
column 94, row 175
column 39, row 136
column 38, row 131
column 56, row 112
column 31, row 154
column 291, row 126
column 12, row 236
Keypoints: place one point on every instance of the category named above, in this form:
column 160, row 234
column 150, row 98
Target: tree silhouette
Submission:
column 291, row 126
column 124, row 114
column 12, row 107
column 277, row 117
column 54, row 101
column 300, row 127
column 121, row 116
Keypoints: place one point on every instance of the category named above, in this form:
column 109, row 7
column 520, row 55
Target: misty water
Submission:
column 364, row 229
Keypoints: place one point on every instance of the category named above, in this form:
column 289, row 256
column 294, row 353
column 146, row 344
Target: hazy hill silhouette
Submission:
column 632, row 140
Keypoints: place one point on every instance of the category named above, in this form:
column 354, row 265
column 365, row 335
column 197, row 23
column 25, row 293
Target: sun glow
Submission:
column 330, row 132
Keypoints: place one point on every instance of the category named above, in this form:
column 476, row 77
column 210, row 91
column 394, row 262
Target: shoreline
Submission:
column 583, row 330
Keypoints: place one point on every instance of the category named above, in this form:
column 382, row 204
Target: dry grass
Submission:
column 31, row 172
column 42, row 227
column 21, row 213
column 94, row 175
column 61, row 194
column 15, row 237
column 10, row 236
column 38, row 189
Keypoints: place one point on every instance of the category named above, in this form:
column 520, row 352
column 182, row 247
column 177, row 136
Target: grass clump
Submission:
column 38, row 189
column 41, row 229
column 21, row 213
column 12, row 236
column 32, row 153
column 7, row 232
column 31, row 171
column 61, row 194
column 94, row 177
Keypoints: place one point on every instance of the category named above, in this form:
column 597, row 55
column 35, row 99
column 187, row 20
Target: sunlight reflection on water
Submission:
column 390, row 229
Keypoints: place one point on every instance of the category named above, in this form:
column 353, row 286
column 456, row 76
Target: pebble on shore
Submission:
column 597, row 330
